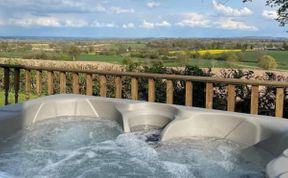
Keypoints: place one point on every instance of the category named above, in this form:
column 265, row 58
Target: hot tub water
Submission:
column 67, row 147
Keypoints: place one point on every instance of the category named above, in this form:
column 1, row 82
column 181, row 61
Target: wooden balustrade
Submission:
column 39, row 82
column 279, row 102
column 75, row 83
column 151, row 90
column 188, row 93
column 134, row 88
column 254, row 99
column 89, row 84
column 231, row 98
column 103, row 87
column 170, row 79
column 6, row 84
column 62, row 82
column 169, row 92
column 50, row 83
column 118, row 87
column 27, row 84
column 16, row 83
column 209, row 95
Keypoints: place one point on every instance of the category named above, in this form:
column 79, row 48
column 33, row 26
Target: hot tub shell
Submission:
column 268, row 133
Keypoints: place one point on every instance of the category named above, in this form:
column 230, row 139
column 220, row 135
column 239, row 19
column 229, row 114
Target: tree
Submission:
column 4, row 46
column 232, row 59
column 267, row 62
column 74, row 51
column 285, row 46
column 282, row 10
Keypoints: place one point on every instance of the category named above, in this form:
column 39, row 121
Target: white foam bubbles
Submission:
column 84, row 147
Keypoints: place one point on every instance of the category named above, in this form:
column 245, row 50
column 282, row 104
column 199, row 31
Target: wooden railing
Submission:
column 189, row 80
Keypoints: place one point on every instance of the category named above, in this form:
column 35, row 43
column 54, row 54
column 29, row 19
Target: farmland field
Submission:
column 210, row 51
column 249, row 60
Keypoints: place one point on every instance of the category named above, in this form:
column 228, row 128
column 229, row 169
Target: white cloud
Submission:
column 150, row 25
column 194, row 20
column 147, row 25
column 99, row 8
column 129, row 25
column 230, row 24
column 38, row 21
column 75, row 23
column 198, row 20
column 163, row 24
column 82, row 6
column 153, row 4
column 269, row 14
column 229, row 11
column 98, row 24
column 119, row 10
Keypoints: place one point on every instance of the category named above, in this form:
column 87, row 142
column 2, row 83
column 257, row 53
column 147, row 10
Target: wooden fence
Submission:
column 189, row 80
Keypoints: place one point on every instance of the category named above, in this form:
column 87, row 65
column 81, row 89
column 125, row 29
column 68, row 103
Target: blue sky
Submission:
column 138, row 18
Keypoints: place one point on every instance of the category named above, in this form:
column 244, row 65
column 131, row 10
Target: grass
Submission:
column 21, row 97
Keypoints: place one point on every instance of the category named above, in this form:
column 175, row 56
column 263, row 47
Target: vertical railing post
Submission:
column 231, row 98
column 134, row 88
column 209, row 95
column 75, row 83
column 50, row 83
column 254, row 99
column 103, row 87
column 39, row 82
column 151, row 90
column 118, row 87
column 279, row 102
column 188, row 93
column 62, row 82
column 89, row 84
column 169, row 92
column 16, row 83
column 6, row 84
column 27, row 84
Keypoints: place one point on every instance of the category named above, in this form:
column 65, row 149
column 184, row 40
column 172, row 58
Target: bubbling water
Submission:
column 83, row 147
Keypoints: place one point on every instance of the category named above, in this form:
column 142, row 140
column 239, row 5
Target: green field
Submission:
column 281, row 57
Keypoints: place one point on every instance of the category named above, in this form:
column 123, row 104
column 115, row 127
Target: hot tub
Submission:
column 172, row 121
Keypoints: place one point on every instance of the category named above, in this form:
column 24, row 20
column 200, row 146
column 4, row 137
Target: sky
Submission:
column 138, row 18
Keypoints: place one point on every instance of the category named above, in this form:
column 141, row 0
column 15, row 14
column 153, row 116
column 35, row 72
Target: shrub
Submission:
column 231, row 59
column 267, row 62
column 127, row 61
column 182, row 59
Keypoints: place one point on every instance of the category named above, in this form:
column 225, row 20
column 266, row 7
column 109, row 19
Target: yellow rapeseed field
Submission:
column 209, row 51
